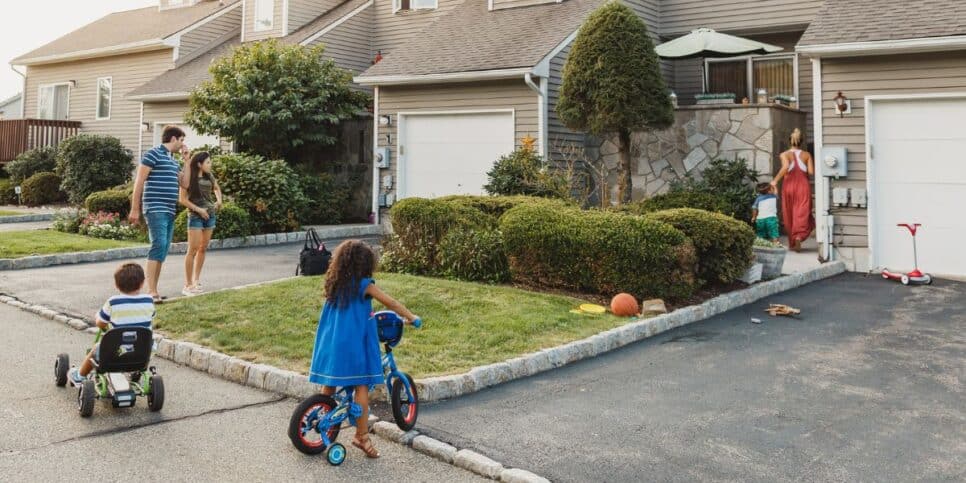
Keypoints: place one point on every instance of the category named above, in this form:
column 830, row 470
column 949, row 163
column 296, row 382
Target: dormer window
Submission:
column 264, row 15
column 398, row 5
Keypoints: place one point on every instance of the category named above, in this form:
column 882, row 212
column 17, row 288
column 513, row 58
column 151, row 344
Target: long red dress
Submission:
column 797, row 200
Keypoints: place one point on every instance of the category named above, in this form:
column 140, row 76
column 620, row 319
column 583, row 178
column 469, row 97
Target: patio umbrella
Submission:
column 705, row 43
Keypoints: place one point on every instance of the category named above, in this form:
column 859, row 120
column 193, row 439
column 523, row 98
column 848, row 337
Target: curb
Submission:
column 180, row 248
column 26, row 218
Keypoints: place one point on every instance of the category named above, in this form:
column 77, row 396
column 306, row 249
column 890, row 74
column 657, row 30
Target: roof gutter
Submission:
column 904, row 46
column 480, row 75
column 133, row 47
column 170, row 96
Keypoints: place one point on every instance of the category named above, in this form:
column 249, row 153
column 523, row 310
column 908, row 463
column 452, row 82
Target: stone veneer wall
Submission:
column 754, row 132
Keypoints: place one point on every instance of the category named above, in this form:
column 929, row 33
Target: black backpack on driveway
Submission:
column 314, row 258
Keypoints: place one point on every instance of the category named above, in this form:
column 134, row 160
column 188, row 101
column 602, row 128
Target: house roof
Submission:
column 325, row 20
column 145, row 28
column 176, row 83
column 10, row 100
column 849, row 21
column 470, row 39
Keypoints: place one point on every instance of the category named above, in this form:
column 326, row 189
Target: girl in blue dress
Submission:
column 346, row 343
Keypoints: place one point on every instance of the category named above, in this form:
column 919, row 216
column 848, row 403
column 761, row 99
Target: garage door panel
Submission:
column 919, row 175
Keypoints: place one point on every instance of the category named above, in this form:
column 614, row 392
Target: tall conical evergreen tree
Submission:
column 612, row 82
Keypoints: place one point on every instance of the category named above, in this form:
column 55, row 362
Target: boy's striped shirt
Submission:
column 128, row 311
column 161, row 187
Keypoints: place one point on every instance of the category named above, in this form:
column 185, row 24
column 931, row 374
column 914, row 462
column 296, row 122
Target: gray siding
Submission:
column 350, row 44
column 248, row 25
column 501, row 4
column 393, row 29
column 868, row 76
column 210, row 34
column 128, row 72
column 560, row 139
column 301, row 12
column 681, row 16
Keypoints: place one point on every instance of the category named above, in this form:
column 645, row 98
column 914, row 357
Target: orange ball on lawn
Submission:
column 624, row 305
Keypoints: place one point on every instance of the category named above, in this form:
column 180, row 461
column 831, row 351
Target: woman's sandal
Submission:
column 366, row 446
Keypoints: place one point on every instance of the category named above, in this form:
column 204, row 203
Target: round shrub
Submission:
column 31, row 162
column 474, row 255
column 327, row 199
column 232, row 221
column 496, row 206
column 270, row 191
column 109, row 201
column 681, row 199
column 89, row 163
column 598, row 251
column 723, row 244
column 8, row 193
column 41, row 189
column 419, row 226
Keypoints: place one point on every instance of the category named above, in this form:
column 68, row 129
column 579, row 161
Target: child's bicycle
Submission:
column 316, row 422
column 121, row 371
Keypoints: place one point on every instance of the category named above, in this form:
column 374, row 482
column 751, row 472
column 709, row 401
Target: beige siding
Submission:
column 210, row 34
column 155, row 112
column 869, row 76
column 301, row 12
column 393, row 29
column 350, row 44
column 127, row 72
column 249, row 22
column 682, row 16
column 501, row 4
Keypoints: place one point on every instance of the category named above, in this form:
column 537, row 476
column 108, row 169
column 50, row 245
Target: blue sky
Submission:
column 29, row 24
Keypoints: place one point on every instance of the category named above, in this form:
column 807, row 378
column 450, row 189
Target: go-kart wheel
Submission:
column 336, row 454
column 303, row 428
column 928, row 280
column 404, row 411
column 156, row 394
column 86, row 397
column 904, row 279
column 61, row 366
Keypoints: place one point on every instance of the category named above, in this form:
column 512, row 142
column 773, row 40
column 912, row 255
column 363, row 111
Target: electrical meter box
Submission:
column 834, row 161
column 382, row 157
column 859, row 199
column 840, row 196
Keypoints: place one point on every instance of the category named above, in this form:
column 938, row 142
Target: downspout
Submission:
column 541, row 111
column 23, row 92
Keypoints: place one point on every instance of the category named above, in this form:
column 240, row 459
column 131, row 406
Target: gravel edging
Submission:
column 327, row 232
column 27, row 218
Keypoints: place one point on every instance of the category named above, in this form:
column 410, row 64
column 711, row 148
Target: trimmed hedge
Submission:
column 110, row 201
column 474, row 254
column 41, row 189
column 8, row 193
column 327, row 199
column 269, row 190
column 496, row 206
column 723, row 244
column 232, row 222
column 598, row 251
column 419, row 226
column 680, row 199
column 31, row 162
column 89, row 163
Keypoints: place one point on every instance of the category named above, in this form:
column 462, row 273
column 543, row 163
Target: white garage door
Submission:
column 446, row 154
column 919, row 175
column 192, row 138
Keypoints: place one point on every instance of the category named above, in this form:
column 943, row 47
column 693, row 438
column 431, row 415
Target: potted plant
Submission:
column 788, row 101
column 771, row 256
column 720, row 98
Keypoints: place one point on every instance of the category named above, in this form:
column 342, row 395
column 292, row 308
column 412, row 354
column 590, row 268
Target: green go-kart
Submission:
column 121, row 372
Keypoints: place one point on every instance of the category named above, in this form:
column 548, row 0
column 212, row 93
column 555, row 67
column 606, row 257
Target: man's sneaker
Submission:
column 75, row 377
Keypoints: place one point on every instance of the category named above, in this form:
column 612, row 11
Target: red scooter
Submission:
column 915, row 277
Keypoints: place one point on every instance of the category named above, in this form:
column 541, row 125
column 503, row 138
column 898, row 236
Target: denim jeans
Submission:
column 160, row 232
column 196, row 222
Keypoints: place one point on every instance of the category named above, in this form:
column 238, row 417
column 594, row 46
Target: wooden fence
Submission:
column 19, row 135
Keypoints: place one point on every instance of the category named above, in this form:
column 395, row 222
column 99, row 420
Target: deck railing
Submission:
column 19, row 135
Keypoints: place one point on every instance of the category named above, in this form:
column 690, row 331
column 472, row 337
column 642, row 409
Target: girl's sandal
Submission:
column 365, row 444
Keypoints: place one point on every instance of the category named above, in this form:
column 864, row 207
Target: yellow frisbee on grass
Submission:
column 593, row 308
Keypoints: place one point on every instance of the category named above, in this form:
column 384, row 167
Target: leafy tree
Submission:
column 612, row 83
column 274, row 99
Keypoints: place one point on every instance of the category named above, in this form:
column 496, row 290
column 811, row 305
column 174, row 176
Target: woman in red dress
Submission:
column 796, row 192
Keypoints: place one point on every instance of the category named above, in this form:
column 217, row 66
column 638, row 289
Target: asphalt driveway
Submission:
column 868, row 385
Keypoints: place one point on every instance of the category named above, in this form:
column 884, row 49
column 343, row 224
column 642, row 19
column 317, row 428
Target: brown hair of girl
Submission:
column 352, row 261
column 194, row 167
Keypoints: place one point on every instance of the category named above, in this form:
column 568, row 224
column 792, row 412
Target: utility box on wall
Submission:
column 382, row 157
column 834, row 161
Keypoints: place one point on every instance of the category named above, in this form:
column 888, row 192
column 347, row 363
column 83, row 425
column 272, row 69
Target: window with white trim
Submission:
column 54, row 102
column 264, row 15
column 744, row 76
column 398, row 5
column 104, row 91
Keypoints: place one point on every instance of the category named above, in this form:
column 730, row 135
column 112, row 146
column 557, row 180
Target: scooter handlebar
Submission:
column 912, row 227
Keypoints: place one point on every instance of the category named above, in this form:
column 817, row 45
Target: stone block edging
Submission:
column 335, row 231
column 27, row 218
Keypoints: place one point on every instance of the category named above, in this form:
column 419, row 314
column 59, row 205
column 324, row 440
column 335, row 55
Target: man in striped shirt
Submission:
column 128, row 309
column 156, row 191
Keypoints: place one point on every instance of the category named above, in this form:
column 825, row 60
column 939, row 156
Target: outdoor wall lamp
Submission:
column 72, row 83
column 842, row 104
column 385, row 120
column 145, row 126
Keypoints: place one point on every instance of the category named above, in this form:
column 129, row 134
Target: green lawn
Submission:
column 465, row 324
column 10, row 213
column 16, row 244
